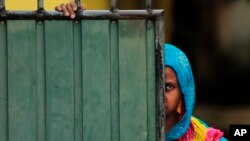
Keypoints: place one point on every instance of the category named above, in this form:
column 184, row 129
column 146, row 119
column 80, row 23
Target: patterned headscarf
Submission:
column 178, row 61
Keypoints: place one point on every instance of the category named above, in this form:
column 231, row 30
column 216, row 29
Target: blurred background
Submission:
column 215, row 35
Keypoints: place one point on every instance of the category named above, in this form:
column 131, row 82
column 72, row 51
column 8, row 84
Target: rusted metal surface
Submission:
column 159, row 43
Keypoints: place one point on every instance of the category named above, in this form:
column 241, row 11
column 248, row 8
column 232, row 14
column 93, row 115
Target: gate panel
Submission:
column 22, row 98
column 96, row 80
column 132, row 80
column 90, row 79
column 59, row 81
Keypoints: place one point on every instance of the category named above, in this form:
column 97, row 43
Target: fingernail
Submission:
column 72, row 16
column 66, row 14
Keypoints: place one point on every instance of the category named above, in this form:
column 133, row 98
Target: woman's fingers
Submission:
column 64, row 9
column 58, row 8
column 73, row 5
column 70, row 10
column 83, row 7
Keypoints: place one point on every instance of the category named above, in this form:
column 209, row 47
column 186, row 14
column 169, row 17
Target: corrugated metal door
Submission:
column 92, row 79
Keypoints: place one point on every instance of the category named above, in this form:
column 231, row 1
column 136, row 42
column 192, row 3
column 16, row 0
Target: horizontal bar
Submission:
column 87, row 14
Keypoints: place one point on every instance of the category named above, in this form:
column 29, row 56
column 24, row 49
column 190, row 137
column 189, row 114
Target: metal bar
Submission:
column 159, row 43
column 87, row 14
column 40, row 82
column 160, row 27
column 151, row 91
column 149, row 4
column 2, row 5
column 114, row 5
column 78, row 81
column 78, row 3
column 3, row 83
column 40, row 4
column 114, row 59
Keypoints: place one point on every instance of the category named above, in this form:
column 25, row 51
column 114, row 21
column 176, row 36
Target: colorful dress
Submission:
column 188, row 128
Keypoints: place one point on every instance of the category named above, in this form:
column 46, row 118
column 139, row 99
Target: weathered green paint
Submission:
column 96, row 80
column 78, row 81
column 82, row 81
column 114, row 81
column 40, row 82
column 3, row 83
column 132, row 80
column 59, row 81
column 22, row 78
column 151, row 97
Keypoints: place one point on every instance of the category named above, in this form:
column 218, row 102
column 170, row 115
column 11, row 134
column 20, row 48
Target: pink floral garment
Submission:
column 213, row 134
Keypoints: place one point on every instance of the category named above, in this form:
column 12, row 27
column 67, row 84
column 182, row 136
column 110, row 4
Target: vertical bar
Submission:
column 132, row 80
column 59, row 81
column 3, row 83
column 159, row 74
column 78, row 3
column 22, row 78
column 114, row 4
column 151, row 82
column 78, row 80
column 2, row 4
column 96, row 80
column 114, row 81
column 40, row 81
column 160, row 31
column 149, row 4
column 40, row 4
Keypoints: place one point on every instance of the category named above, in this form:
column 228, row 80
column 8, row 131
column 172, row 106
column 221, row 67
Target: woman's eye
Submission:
column 169, row 87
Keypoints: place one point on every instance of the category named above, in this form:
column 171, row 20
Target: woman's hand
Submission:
column 69, row 9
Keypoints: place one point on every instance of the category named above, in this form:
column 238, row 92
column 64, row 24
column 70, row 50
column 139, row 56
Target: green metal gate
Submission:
column 97, row 78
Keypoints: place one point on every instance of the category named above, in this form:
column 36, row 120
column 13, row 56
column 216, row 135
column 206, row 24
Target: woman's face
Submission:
column 172, row 92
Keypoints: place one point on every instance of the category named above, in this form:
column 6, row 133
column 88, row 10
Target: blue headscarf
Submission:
column 178, row 61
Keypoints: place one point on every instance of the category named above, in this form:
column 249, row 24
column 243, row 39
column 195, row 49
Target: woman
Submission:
column 180, row 99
